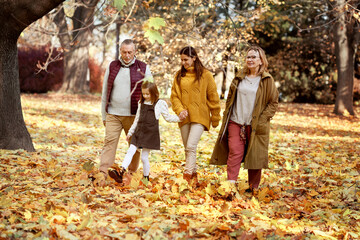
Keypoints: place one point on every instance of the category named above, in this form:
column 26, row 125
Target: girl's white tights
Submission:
column 144, row 158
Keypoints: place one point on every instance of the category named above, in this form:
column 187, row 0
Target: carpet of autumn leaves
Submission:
column 311, row 191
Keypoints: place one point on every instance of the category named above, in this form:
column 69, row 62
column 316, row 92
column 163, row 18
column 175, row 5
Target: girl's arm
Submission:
column 162, row 108
column 133, row 126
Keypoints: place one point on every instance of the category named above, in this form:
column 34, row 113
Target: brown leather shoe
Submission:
column 117, row 175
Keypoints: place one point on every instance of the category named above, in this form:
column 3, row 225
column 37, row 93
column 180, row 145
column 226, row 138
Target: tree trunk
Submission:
column 13, row 132
column 15, row 16
column 346, row 41
column 76, row 46
column 75, row 68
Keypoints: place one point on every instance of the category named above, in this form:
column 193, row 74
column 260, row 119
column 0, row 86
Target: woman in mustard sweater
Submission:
column 194, row 96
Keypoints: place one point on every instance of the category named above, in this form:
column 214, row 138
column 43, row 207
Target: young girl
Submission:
column 144, row 132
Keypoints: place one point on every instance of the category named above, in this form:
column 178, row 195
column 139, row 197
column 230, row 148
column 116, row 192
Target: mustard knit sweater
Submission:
column 200, row 98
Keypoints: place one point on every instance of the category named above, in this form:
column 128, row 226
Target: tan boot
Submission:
column 187, row 177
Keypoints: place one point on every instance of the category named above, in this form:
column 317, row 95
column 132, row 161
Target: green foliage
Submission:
column 300, row 60
column 151, row 29
column 153, row 36
column 296, row 36
column 156, row 23
column 119, row 4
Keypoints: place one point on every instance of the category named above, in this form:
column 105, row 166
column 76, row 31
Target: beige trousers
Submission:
column 191, row 134
column 113, row 127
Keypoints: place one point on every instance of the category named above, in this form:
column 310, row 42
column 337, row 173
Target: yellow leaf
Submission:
column 85, row 222
column 132, row 212
column 174, row 189
column 64, row 234
column 242, row 186
column 324, row 234
column 183, row 186
column 347, row 212
column 313, row 193
column 12, row 219
column 226, row 187
column 354, row 235
column 5, row 202
column 210, row 189
column 337, row 210
column 255, row 202
column 135, row 180
column 131, row 236
column 27, row 215
column 262, row 194
column 143, row 202
column 58, row 219
column 152, row 196
column 61, row 212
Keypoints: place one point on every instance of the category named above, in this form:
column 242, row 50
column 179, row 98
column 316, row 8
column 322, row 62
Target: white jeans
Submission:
column 191, row 134
column 144, row 158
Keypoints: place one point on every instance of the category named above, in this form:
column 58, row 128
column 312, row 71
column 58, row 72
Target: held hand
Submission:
column 128, row 138
column 183, row 114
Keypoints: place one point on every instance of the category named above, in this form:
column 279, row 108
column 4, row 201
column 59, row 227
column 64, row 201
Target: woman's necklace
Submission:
column 250, row 78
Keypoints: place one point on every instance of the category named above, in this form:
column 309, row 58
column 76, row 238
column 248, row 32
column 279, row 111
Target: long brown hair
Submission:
column 154, row 92
column 263, row 59
column 198, row 66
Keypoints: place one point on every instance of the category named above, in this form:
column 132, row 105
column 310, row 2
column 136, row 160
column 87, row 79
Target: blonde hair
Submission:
column 264, row 61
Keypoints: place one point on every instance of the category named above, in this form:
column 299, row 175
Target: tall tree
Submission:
column 346, row 39
column 75, row 43
column 15, row 17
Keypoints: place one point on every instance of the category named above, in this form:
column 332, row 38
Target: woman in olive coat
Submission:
column 244, row 135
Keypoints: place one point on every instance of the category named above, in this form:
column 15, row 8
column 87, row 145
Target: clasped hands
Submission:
column 183, row 114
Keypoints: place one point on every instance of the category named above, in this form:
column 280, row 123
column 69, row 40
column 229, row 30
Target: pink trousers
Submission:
column 237, row 146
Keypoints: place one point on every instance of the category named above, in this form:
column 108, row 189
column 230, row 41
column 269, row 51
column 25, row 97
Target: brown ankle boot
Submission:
column 194, row 178
column 187, row 177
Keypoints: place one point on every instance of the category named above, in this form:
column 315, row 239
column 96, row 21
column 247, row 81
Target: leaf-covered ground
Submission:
column 311, row 191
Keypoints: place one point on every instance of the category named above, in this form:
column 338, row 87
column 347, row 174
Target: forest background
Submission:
column 61, row 51
column 311, row 45
column 299, row 38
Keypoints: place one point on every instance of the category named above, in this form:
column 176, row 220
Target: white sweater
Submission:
column 120, row 99
column 161, row 108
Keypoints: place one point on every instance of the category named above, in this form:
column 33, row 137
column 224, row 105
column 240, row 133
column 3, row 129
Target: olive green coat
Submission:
column 266, row 103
